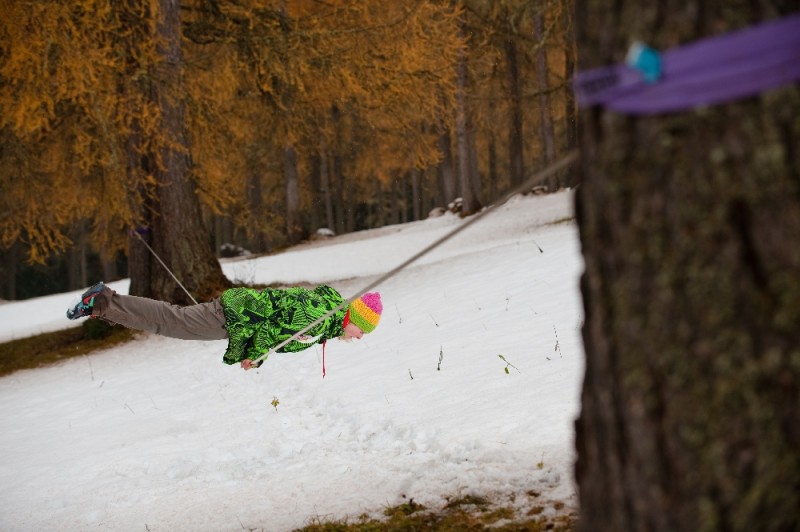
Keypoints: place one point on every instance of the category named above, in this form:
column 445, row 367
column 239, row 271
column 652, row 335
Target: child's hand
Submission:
column 247, row 364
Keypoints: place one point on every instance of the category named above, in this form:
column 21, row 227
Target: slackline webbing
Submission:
column 536, row 178
column 710, row 71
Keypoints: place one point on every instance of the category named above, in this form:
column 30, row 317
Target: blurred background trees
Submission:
column 199, row 123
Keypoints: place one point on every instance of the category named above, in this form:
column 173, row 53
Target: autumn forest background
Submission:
column 189, row 125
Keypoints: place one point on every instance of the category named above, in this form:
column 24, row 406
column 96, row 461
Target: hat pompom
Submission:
column 365, row 312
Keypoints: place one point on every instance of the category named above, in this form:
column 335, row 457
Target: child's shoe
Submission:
column 86, row 304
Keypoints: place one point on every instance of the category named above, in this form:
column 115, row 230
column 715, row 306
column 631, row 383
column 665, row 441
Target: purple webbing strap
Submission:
column 706, row 72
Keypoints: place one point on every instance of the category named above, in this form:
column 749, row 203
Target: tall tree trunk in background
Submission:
column 426, row 191
column 11, row 256
column 474, row 171
column 178, row 234
column 494, row 177
column 140, row 260
column 470, row 204
column 516, row 161
column 255, row 203
column 294, row 229
column 689, row 225
column 404, row 198
column 325, row 179
column 545, row 114
column 136, row 161
column 315, row 211
column 416, row 195
column 395, row 195
column 571, row 110
column 448, row 175
column 380, row 211
column 336, row 172
column 109, row 267
column 225, row 232
column 77, row 267
column 350, row 212
column 338, row 193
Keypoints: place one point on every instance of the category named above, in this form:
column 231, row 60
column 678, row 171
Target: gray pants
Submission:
column 197, row 322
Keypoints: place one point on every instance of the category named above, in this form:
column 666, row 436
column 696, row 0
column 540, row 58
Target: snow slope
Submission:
column 158, row 434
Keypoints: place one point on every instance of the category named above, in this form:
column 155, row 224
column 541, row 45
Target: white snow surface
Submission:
column 159, row 434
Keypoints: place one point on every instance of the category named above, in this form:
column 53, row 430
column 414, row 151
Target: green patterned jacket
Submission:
column 258, row 320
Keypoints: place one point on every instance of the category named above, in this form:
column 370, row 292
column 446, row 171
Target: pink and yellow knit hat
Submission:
column 365, row 312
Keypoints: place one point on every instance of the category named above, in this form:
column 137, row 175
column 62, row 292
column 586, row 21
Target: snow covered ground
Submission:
column 158, row 434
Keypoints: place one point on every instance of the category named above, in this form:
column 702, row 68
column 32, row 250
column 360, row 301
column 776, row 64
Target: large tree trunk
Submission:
column 471, row 203
column 493, row 176
column 416, row 196
column 689, row 225
column 316, row 199
column 325, row 185
column 380, row 205
column 448, row 175
column 516, row 162
column 570, row 114
column 77, row 260
column 257, row 237
column 109, row 267
column 394, row 194
column 294, row 229
column 545, row 115
column 337, row 172
column 9, row 272
column 178, row 234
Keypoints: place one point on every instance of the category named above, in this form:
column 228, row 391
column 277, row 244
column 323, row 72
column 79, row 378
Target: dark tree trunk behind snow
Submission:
column 689, row 225
column 294, row 228
column 336, row 171
column 325, row 180
column 178, row 233
column 257, row 236
column 516, row 161
column 571, row 118
column 416, row 194
column 545, row 114
column 464, row 141
column 447, row 173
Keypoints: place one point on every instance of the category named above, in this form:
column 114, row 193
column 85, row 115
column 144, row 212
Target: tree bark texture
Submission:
column 474, row 173
column 258, row 241
column 545, row 114
column 571, row 114
column 77, row 263
column 689, row 224
column 447, row 173
column 380, row 206
column 9, row 281
column 337, row 172
column 516, row 161
column 326, row 187
column 179, row 236
column 471, row 203
column 492, row 163
column 294, row 229
column 416, row 194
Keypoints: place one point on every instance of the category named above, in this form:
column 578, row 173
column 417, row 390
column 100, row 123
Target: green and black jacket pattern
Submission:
column 258, row 320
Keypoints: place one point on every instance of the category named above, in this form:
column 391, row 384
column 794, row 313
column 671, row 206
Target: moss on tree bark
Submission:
column 689, row 224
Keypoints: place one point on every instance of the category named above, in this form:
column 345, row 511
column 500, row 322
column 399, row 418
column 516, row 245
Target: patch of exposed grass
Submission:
column 464, row 513
column 49, row 348
column 562, row 221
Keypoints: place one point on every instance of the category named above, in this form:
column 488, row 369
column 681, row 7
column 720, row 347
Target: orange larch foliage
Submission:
column 365, row 86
